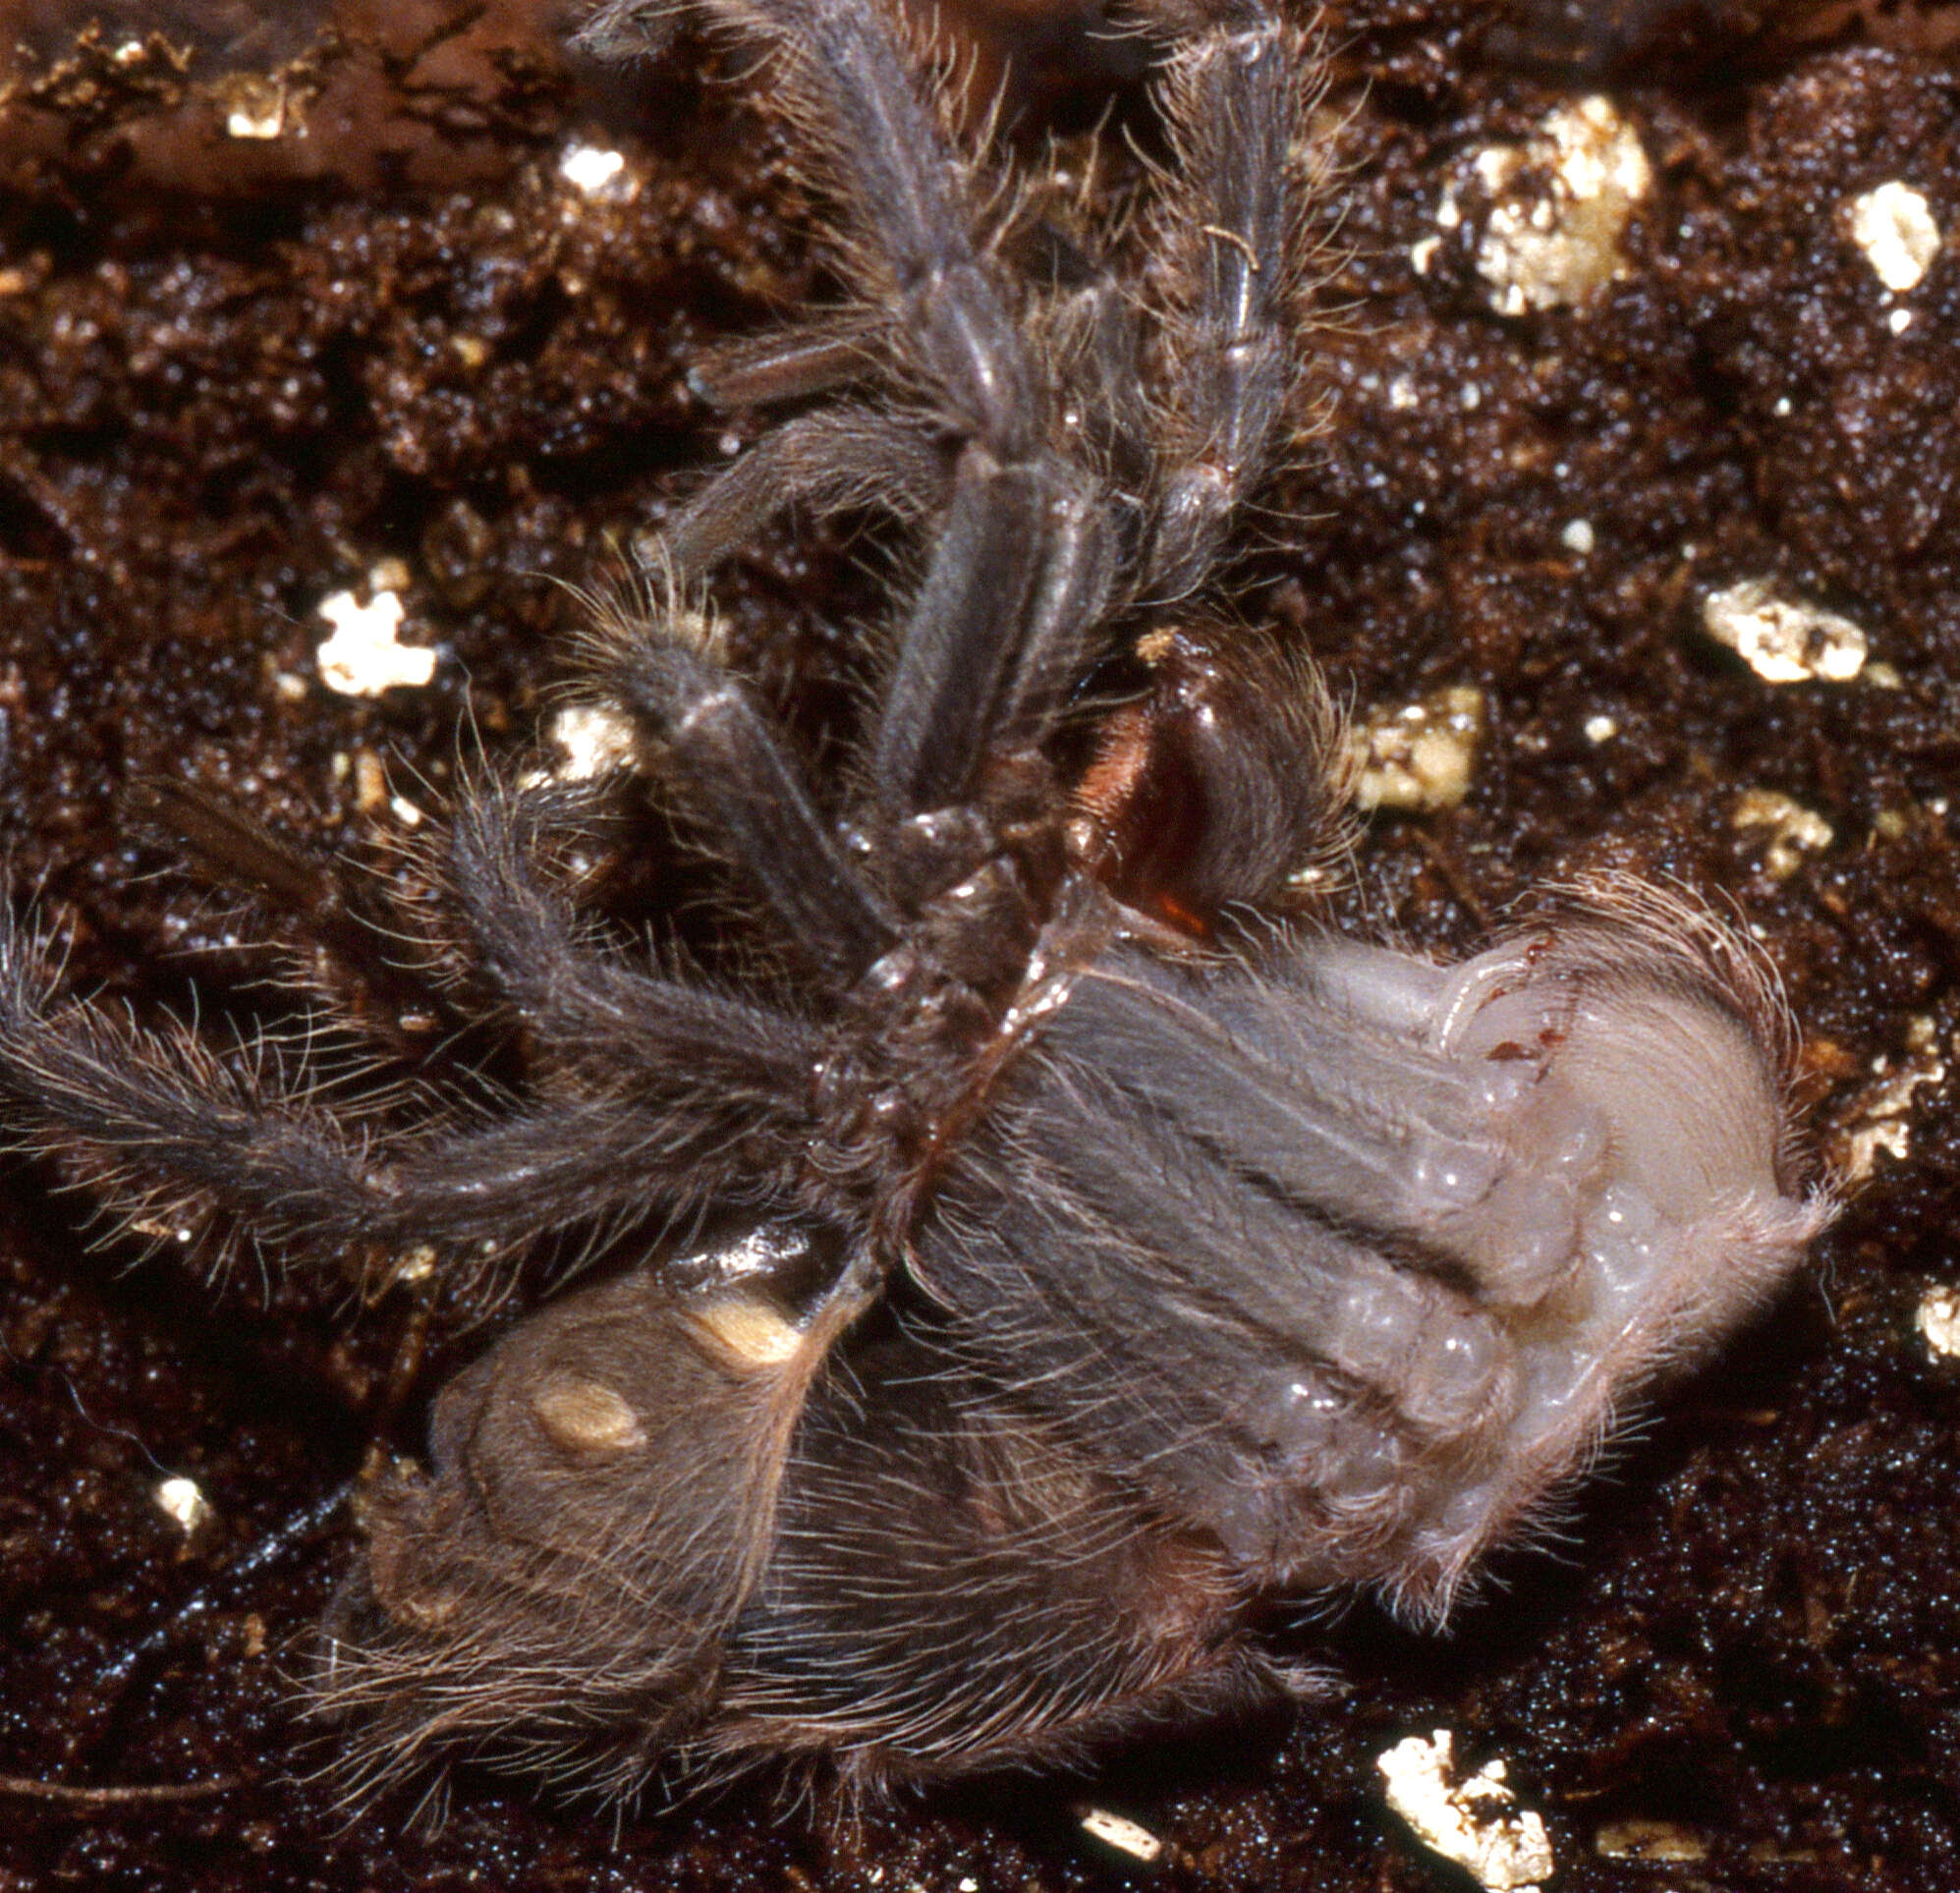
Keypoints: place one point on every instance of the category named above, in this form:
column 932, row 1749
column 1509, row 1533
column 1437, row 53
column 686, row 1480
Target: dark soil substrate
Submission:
column 238, row 372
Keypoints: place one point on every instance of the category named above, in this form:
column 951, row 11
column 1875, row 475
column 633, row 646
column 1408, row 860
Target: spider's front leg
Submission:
column 181, row 1141
column 1025, row 560
column 835, row 459
column 1231, row 248
column 1025, row 557
column 742, row 792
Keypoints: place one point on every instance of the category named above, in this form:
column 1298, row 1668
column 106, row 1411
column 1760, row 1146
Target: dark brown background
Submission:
column 236, row 375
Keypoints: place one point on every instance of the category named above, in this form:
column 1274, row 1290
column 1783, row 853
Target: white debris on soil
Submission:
column 1894, row 225
column 593, row 171
column 1420, row 756
column 1783, row 640
column 1562, row 202
column 1938, row 1319
column 1602, row 728
column 183, row 1500
column 362, row 657
column 588, row 739
column 255, row 107
column 370, row 782
column 1578, row 535
column 1126, row 1836
column 1882, row 1117
column 1475, row 1823
column 1794, row 831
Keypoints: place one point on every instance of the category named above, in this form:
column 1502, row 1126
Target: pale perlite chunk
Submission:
column 255, row 107
column 1783, row 640
column 1885, row 1113
column 1563, row 202
column 362, row 657
column 1126, row 1836
column 1938, row 1319
column 1422, row 754
column 1793, row 830
column 1475, row 1823
column 1894, row 226
column 595, row 171
column 588, row 741
column 184, row 1500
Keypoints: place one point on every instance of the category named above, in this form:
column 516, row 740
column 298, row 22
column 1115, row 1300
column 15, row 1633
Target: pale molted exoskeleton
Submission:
column 1084, row 1262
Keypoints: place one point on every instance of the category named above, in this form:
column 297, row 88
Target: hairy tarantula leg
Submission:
column 745, row 792
column 787, row 364
column 974, row 663
column 1077, row 577
column 1494, row 1162
column 913, row 208
column 634, row 1034
column 1096, row 338
column 838, row 459
column 1230, row 234
column 1609, row 1184
column 1026, row 564
column 1351, row 1121
column 1290, row 1343
column 180, row 1137
column 397, row 1005
column 938, row 710
column 850, row 83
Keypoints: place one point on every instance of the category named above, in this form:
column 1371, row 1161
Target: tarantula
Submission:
column 1075, row 1267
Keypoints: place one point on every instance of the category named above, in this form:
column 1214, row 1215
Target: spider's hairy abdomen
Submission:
column 955, row 1577
column 1026, row 1263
